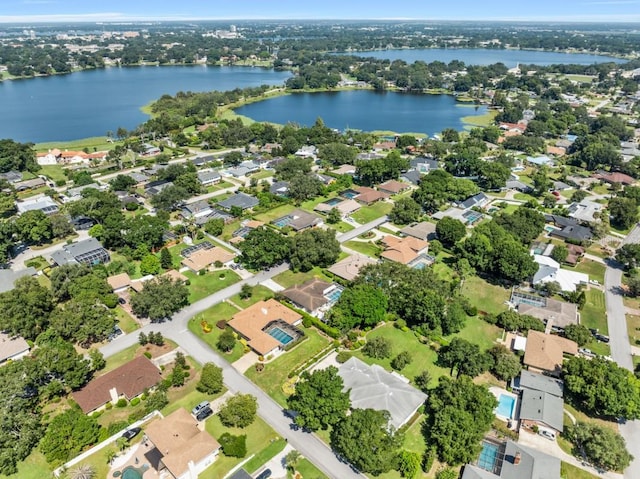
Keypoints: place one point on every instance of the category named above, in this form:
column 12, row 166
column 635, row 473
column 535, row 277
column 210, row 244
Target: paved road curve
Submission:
column 621, row 349
column 177, row 330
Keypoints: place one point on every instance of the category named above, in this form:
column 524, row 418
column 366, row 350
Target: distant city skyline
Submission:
column 25, row 11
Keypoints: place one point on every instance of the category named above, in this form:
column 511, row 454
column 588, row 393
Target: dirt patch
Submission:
column 157, row 351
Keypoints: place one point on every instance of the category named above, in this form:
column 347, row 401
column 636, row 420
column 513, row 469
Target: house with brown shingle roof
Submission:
column 368, row 196
column 544, row 353
column 403, row 250
column 185, row 449
column 615, row 177
column 128, row 381
column 256, row 325
column 345, row 207
column 119, row 282
column 310, row 295
column 12, row 349
column 204, row 258
column 393, row 187
column 349, row 267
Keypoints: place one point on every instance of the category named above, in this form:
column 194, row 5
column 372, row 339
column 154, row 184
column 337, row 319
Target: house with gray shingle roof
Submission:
column 241, row 200
column 515, row 461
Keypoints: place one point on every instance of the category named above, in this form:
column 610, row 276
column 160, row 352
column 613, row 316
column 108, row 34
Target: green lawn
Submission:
column 275, row 213
column 259, row 437
column 341, row 227
column 35, row 466
column 370, row 213
column 258, row 293
column 568, row 471
column 308, row 470
column 594, row 269
column 126, row 322
column 261, row 175
column 364, row 247
column 423, row 356
column 480, row 332
column 275, row 373
column 55, row 172
column 633, row 329
column 485, row 296
column 203, row 286
column 221, row 311
column 593, row 314
column 311, row 204
column 289, row 278
column 257, row 461
column 100, row 143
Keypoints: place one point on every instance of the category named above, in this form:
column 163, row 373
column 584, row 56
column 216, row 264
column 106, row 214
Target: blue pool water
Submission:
column 333, row 201
column 506, row 405
column 280, row 335
column 131, row 473
column 282, row 222
column 349, row 194
column 334, row 295
column 488, row 456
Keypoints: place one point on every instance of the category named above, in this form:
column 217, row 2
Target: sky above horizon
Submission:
column 137, row 10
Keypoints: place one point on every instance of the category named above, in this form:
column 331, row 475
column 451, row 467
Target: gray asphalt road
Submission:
column 177, row 330
column 621, row 349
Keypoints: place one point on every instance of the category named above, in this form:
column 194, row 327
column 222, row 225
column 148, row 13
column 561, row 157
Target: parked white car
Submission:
column 547, row 434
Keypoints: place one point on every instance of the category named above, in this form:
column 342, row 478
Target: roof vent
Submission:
column 264, row 311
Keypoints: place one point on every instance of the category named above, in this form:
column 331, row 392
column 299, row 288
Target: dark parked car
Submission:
column 264, row 474
column 602, row 337
column 122, row 300
column 131, row 433
column 204, row 413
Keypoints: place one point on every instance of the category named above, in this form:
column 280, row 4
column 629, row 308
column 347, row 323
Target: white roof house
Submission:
column 372, row 387
column 549, row 270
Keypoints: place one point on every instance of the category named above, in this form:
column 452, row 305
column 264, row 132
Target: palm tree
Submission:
column 291, row 460
column 84, row 471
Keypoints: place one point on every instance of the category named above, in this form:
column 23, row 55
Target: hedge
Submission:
column 308, row 320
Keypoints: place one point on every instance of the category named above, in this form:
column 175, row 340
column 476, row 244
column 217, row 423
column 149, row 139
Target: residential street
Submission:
column 621, row 349
column 177, row 330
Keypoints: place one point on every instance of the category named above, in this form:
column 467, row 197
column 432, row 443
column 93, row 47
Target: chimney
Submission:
column 516, row 459
column 113, row 392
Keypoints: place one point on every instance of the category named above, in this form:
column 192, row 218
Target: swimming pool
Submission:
column 349, row 194
column 280, row 335
column 333, row 201
column 131, row 472
column 506, row 405
column 488, row 456
column 282, row 222
column 334, row 295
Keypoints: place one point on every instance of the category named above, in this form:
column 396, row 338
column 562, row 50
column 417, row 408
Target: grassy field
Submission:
column 472, row 121
column 568, row 471
column 370, row 213
column 35, row 466
column 275, row 373
column 594, row 269
column 258, row 293
column 203, row 286
column 290, row 278
column 259, row 436
column 221, row 311
column 308, row 470
column 423, row 356
column 480, row 332
column 485, row 296
column 593, row 314
column 100, row 143
column 633, row 329
column 366, row 248
column 126, row 322
column 257, row 461
column 275, row 213
column 55, row 172
column 341, row 227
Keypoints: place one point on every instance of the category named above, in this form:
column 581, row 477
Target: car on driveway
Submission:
column 204, row 414
column 131, row 433
column 264, row 474
column 547, row 434
column 199, row 407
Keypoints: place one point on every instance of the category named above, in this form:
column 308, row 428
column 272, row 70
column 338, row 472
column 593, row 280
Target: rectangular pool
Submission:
column 488, row 456
column 280, row 335
column 506, row 405
column 333, row 201
column 334, row 294
column 282, row 222
column 349, row 194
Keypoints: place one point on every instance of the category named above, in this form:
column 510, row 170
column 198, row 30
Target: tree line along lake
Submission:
column 90, row 103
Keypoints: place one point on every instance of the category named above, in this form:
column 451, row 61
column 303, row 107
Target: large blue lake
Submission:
column 478, row 56
column 90, row 103
column 366, row 110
